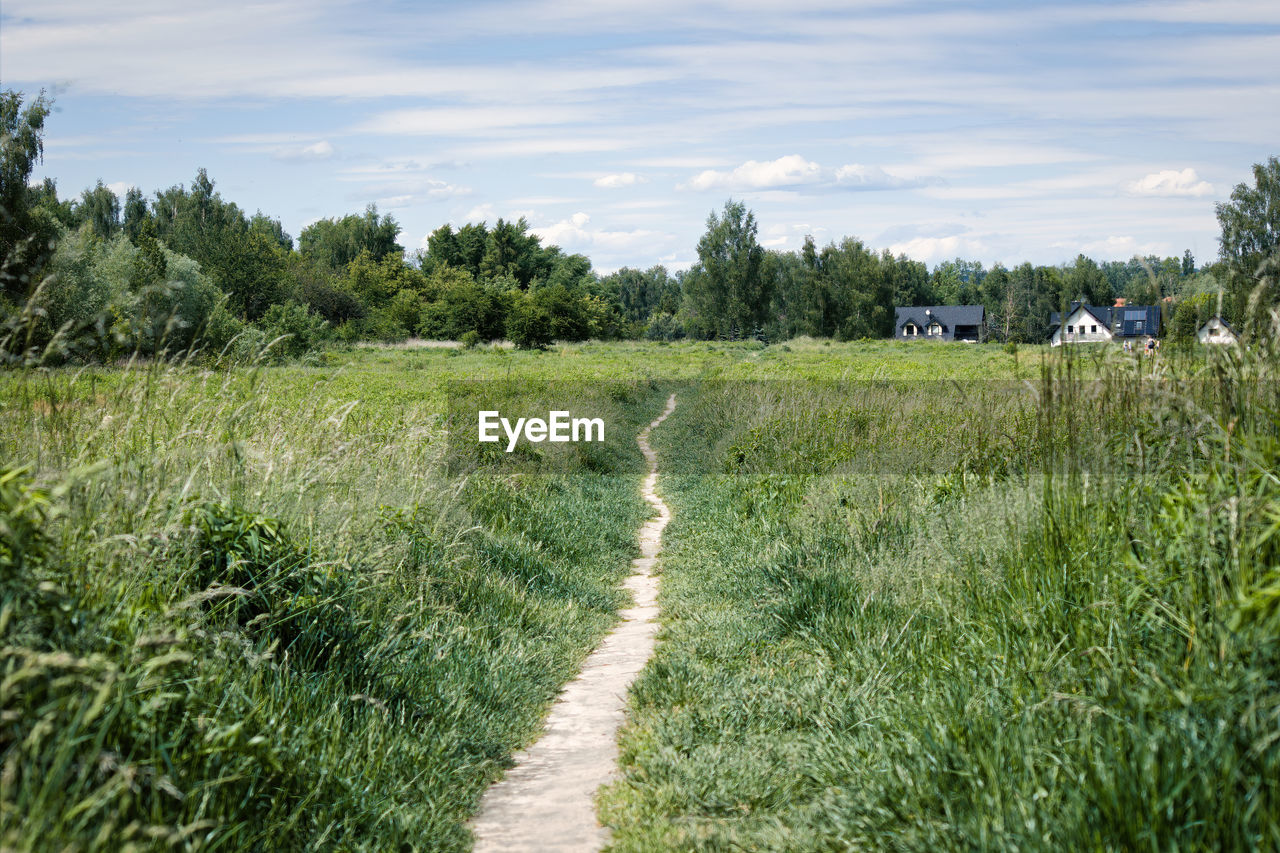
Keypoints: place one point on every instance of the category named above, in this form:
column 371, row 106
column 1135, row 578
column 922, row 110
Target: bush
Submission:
column 529, row 326
column 664, row 327
column 406, row 311
column 470, row 339
column 301, row 330
column 220, row 330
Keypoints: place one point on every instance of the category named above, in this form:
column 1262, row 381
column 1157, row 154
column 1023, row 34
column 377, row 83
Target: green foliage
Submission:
column 1190, row 314
column 293, row 330
column 726, row 293
column 222, row 331
column 245, row 263
column 337, row 648
column 376, row 281
column 26, row 233
column 406, row 310
column 99, row 208
column 1085, row 281
column 664, row 327
column 641, row 294
column 1250, row 241
column 135, row 216
column 461, row 305
column 335, row 243
column 529, row 325
column 1054, row 640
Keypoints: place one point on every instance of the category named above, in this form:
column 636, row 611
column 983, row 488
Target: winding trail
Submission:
column 547, row 801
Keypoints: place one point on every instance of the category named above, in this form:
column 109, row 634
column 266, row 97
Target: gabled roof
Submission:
column 949, row 316
column 1130, row 315
column 1221, row 322
column 1120, row 320
column 1099, row 312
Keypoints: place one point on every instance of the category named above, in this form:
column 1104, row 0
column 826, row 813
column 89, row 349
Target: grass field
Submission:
column 905, row 606
column 1062, row 640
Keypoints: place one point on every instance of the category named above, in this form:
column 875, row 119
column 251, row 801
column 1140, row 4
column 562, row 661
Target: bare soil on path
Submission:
column 547, row 801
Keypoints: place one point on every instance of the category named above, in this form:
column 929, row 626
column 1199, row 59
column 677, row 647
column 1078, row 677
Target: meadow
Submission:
column 1050, row 622
column 915, row 597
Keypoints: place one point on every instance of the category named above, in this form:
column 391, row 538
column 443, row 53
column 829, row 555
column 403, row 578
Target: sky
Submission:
column 996, row 131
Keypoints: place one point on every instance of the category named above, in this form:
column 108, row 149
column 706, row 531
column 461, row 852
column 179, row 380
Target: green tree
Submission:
column 99, row 208
column 641, row 293
column 728, row 295
column 21, row 148
column 135, row 214
column 246, row 263
column 510, row 250
column 443, row 250
column 149, row 264
column 1085, row 280
column 911, row 283
column 459, row 304
column 270, row 228
column 472, row 240
column 377, row 280
column 1249, row 244
column 1250, row 222
column 337, row 242
column 529, row 325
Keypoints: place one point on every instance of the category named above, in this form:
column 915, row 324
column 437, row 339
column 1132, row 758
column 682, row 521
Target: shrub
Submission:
column 529, row 326
column 664, row 327
column 301, row 330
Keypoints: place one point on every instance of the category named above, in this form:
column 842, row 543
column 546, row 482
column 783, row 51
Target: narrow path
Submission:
column 547, row 801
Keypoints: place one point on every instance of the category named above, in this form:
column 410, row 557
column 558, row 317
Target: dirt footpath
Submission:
column 547, row 801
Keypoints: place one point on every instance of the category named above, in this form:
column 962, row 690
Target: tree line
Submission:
column 101, row 277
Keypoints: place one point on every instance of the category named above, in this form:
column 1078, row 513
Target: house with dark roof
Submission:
column 1216, row 330
column 939, row 323
column 1098, row 323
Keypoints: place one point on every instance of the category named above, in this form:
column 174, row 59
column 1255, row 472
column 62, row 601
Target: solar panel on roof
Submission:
column 1135, row 315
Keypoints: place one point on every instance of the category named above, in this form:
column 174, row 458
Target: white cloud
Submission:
column 395, row 202
column 622, row 179
column 869, row 177
column 575, row 233
column 408, row 193
column 795, row 172
column 789, row 171
column 1171, row 182
column 480, row 213
column 119, row 188
column 784, row 235
column 934, row 249
column 1123, row 247
column 322, row 150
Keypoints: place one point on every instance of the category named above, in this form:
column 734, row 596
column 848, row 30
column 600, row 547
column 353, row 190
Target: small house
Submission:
column 1217, row 331
column 939, row 323
column 1083, row 324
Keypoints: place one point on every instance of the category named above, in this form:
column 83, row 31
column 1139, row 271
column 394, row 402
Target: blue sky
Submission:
column 991, row 131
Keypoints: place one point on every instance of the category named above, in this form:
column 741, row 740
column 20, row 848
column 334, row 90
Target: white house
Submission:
column 1086, row 324
column 1216, row 331
column 1083, row 325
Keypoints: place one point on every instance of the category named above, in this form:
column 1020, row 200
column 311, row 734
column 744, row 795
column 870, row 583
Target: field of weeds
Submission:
column 915, row 597
column 937, row 615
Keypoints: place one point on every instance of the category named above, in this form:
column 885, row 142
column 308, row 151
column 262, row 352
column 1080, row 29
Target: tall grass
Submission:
column 1064, row 635
column 248, row 610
